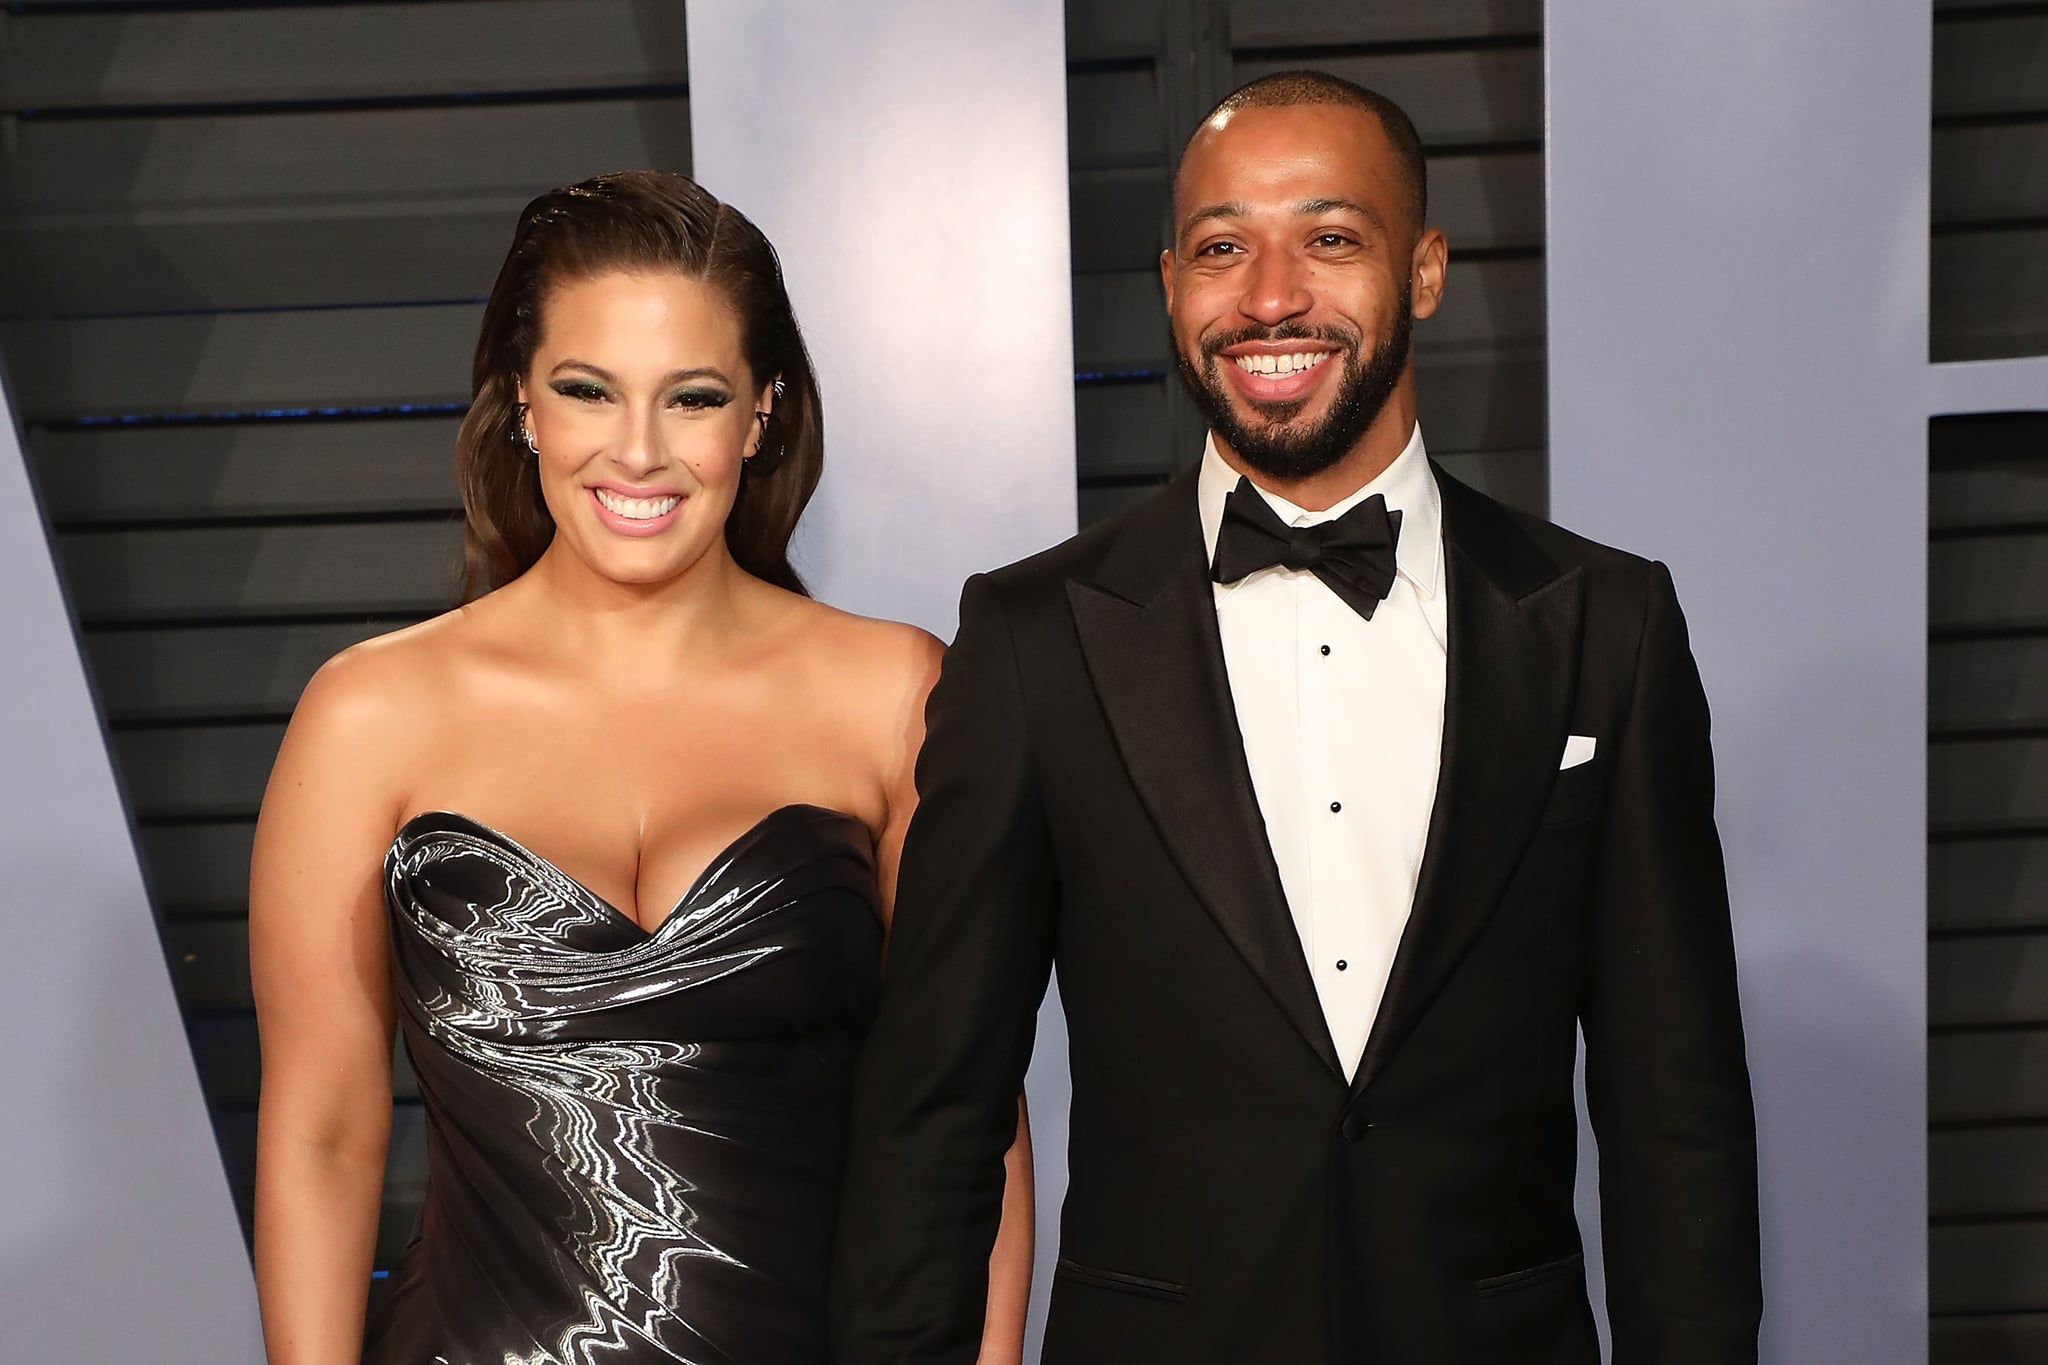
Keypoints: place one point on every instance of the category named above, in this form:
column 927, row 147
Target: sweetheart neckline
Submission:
column 671, row 916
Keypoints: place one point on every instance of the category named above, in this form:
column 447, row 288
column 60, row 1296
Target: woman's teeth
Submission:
column 636, row 509
column 1280, row 364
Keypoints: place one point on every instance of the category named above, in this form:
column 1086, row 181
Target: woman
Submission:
column 614, row 843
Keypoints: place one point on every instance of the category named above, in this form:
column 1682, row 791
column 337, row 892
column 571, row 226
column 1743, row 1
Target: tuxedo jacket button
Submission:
column 1354, row 1128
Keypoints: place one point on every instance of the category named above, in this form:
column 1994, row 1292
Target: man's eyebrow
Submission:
column 1229, row 209
column 1315, row 206
column 1234, row 208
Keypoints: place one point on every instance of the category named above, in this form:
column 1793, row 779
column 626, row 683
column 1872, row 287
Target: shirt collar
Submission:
column 1408, row 485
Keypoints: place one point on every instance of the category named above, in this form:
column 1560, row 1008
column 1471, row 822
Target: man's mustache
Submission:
column 1343, row 339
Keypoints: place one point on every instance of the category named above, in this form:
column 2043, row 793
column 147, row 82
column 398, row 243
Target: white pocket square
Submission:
column 1577, row 749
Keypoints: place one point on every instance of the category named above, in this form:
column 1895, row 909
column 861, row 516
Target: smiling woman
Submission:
column 612, row 845
column 611, row 262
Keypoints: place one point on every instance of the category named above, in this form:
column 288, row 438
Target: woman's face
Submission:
column 643, row 411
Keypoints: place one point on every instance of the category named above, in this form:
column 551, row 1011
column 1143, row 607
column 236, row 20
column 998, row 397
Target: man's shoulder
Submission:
column 1142, row 527
column 1607, row 567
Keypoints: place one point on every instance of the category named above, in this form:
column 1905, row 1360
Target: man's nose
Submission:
column 1276, row 289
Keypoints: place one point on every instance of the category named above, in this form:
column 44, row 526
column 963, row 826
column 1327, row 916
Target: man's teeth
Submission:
column 1280, row 364
column 636, row 509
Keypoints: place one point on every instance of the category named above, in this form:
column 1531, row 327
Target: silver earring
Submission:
column 521, row 431
column 778, row 388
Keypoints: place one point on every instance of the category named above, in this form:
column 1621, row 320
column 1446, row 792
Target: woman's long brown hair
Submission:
column 638, row 221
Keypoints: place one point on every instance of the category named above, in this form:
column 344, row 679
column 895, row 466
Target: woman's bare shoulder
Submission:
column 389, row 678
column 886, row 657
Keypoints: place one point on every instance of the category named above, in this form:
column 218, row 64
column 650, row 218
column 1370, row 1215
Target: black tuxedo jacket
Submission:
column 1085, row 802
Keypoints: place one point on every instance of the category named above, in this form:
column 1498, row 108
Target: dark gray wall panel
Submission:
column 264, row 469
column 338, row 51
column 1988, row 1267
column 1113, row 119
column 1988, row 581
column 71, row 264
column 204, row 672
column 328, row 570
column 355, row 158
column 1305, row 23
column 1487, row 202
column 1119, row 218
column 1991, row 65
column 238, row 362
column 198, row 869
column 1123, row 428
column 1987, row 883
column 1974, row 1077
column 1993, row 492
column 1990, row 173
column 1097, row 503
column 1978, row 1172
column 1516, row 477
column 1455, row 97
column 209, row 772
column 1986, row 684
column 1127, row 29
column 1987, row 292
column 1483, row 400
column 1991, row 1338
column 1987, row 783
column 210, row 963
column 1995, row 979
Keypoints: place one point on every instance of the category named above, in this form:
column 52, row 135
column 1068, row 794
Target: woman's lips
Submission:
column 636, row 516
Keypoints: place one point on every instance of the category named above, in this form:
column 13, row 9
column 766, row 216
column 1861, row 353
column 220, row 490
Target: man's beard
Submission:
column 1274, row 447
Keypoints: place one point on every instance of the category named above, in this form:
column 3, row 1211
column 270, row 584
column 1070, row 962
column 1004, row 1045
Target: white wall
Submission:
column 909, row 161
column 1737, row 255
column 118, row 1238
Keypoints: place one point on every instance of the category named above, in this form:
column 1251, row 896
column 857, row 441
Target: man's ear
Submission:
column 1166, row 264
column 1426, row 272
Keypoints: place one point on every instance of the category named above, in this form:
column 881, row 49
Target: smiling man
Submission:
column 1344, row 799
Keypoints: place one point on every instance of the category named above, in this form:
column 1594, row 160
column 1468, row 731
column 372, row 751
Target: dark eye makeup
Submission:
column 694, row 398
column 705, row 398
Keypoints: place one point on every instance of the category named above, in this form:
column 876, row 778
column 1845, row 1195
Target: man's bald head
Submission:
column 1293, row 89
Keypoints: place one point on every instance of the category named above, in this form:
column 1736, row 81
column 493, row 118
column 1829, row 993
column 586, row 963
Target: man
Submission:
column 1344, row 798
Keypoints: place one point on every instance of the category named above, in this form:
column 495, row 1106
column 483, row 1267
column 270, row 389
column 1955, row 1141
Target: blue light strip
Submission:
column 154, row 419
column 1117, row 376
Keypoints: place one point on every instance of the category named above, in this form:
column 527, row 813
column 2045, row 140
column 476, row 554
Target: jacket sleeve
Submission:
column 1667, row 1083
column 970, row 948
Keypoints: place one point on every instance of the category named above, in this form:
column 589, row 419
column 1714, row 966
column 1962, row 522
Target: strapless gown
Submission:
column 634, row 1138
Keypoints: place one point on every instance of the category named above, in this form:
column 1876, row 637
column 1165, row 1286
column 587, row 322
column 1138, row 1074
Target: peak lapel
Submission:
column 1148, row 631
column 1512, row 674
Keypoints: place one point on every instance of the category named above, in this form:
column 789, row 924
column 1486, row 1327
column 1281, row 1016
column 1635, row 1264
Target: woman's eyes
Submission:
column 699, row 399
column 690, row 400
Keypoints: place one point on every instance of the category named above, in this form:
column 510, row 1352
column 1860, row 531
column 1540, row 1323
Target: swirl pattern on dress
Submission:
column 634, row 1137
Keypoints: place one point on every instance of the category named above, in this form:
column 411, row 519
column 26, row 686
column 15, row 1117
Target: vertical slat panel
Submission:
column 202, row 234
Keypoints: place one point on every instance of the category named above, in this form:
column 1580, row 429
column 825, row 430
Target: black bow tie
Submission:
column 1353, row 555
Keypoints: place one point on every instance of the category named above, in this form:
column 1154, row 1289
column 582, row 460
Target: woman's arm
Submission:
column 318, row 957
column 1009, row 1265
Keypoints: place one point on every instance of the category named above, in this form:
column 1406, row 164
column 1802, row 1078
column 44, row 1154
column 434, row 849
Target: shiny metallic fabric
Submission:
column 634, row 1138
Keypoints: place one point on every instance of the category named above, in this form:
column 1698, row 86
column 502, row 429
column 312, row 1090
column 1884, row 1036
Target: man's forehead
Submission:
column 1302, row 165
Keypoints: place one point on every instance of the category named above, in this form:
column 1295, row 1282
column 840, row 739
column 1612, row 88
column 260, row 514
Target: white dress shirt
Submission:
column 1343, row 723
